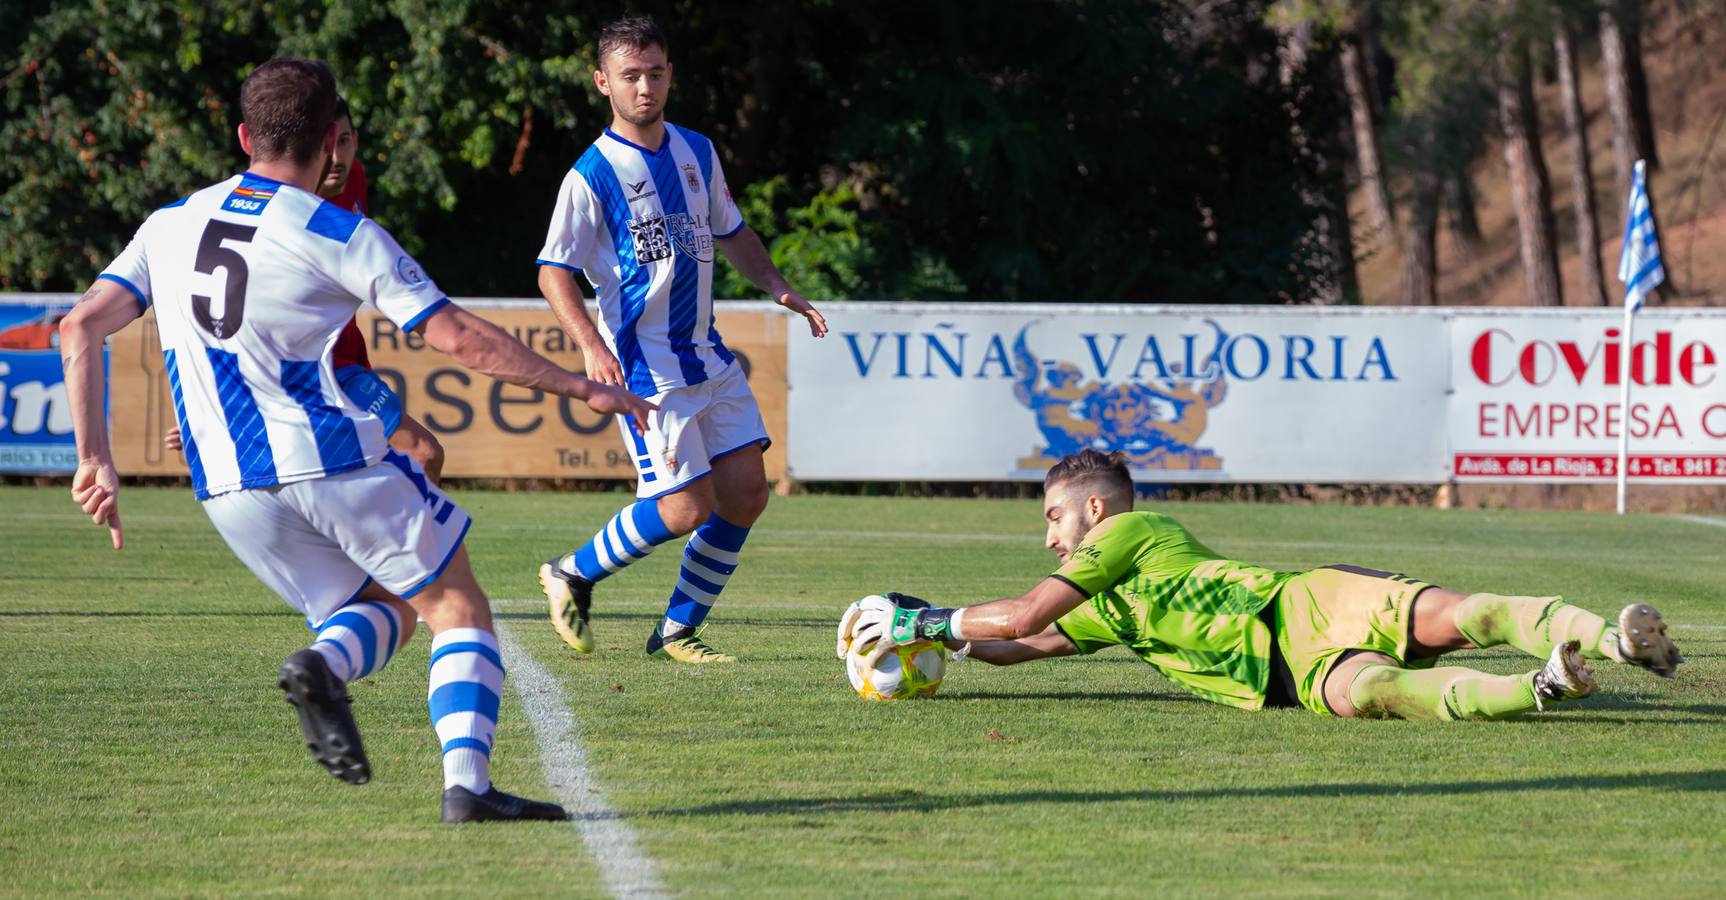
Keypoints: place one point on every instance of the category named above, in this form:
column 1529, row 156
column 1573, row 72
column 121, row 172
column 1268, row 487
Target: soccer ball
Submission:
column 903, row 673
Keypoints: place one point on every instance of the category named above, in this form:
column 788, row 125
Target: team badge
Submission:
column 691, row 179
column 652, row 243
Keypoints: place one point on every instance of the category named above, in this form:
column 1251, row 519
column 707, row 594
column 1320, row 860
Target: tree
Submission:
column 1331, row 243
column 1437, row 124
column 1420, row 249
column 896, row 150
column 1368, row 159
column 1581, row 177
column 1626, row 88
column 1627, row 97
column 1531, row 193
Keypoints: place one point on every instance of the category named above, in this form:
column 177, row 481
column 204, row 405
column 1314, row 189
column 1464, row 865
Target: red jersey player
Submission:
column 345, row 186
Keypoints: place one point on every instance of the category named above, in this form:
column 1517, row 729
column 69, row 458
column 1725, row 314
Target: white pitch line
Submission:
column 1704, row 520
column 626, row 870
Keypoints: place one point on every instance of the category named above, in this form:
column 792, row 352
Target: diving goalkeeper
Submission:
column 1338, row 640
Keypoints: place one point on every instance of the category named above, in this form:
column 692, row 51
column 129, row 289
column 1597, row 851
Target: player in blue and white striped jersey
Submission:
column 252, row 280
column 640, row 214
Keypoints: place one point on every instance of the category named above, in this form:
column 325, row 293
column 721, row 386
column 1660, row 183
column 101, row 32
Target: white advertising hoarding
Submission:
column 1190, row 393
column 1536, row 396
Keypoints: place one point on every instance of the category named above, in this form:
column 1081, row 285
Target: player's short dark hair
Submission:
column 1102, row 473
column 342, row 112
column 288, row 105
column 630, row 34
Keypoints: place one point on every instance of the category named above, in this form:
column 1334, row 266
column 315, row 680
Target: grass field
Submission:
column 144, row 748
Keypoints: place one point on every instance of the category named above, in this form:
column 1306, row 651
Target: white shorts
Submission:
column 318, row 543
column 694, row 426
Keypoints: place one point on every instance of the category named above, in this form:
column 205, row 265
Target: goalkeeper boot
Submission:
column 462, row 805
column 1642, row 641
column 571, row 597
column 1566, row 677
column 684, row 645
column 325, row 717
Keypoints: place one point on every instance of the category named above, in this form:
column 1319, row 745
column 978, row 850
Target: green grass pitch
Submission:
column 144, row 748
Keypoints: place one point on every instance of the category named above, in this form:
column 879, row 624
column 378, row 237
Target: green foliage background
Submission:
column 1111, row 150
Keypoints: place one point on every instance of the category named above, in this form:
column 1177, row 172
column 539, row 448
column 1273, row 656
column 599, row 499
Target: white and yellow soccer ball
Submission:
column 903, row 673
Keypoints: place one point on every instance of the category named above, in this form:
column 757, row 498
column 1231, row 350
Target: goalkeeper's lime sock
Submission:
column 359, row 639
column 1451, row 692
column 628, row 537
column 708, row 562
column 463, row 696
column 1534, row 625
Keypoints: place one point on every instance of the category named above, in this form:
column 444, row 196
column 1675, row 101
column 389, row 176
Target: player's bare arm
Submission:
column 1046, row 644
column 104, row 309
column 745, row 251
column 490, row 350
column 560, row 290
column 1027, row 617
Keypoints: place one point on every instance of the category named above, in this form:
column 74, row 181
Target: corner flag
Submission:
column 1640, row 270
column 1639, row 264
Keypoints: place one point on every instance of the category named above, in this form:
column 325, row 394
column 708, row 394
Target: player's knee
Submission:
column 686, row 510
column 744, row 505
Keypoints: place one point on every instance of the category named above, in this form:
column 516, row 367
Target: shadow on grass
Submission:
column 1604, row 702
column 602, row 615
column 1707, row 781
column 1102, row 696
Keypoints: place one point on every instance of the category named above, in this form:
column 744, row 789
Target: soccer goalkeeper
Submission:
column 1339, row 640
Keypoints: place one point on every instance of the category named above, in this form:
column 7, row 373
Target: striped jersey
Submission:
column 640, row 224
column 252, row 281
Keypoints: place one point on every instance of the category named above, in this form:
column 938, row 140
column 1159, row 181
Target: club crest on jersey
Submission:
column 690, row 179
column 651, row 241
column 692, row 235
column 248, row 200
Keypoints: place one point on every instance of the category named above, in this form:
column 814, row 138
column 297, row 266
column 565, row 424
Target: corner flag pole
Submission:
column 1624, row 406
column 1640, row 270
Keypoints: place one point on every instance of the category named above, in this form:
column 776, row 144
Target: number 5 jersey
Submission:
column 252, row 281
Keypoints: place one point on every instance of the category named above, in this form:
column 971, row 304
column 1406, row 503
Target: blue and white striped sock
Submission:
column 359, row 639
column 708, row 561
column 629, row 536
column 466, row 687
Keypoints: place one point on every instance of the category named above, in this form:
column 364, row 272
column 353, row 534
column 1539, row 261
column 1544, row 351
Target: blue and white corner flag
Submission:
column 1639, row 265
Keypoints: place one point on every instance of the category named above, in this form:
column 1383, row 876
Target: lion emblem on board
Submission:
column 1158, row 423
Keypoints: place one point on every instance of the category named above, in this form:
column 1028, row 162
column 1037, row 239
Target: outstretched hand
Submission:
column 861, row 615
column 603, row 398
column 96, row 488
column 794, row 301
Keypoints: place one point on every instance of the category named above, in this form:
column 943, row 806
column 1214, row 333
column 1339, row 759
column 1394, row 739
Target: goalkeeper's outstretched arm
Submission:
column 1025, row 620
column 1047, row 644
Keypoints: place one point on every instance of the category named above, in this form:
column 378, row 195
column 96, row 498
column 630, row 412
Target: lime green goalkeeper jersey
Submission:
column 1175, row 603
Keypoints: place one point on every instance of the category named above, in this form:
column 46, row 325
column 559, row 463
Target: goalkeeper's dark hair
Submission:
column 288, row 105
column 1096, row 472
column 631, row 34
